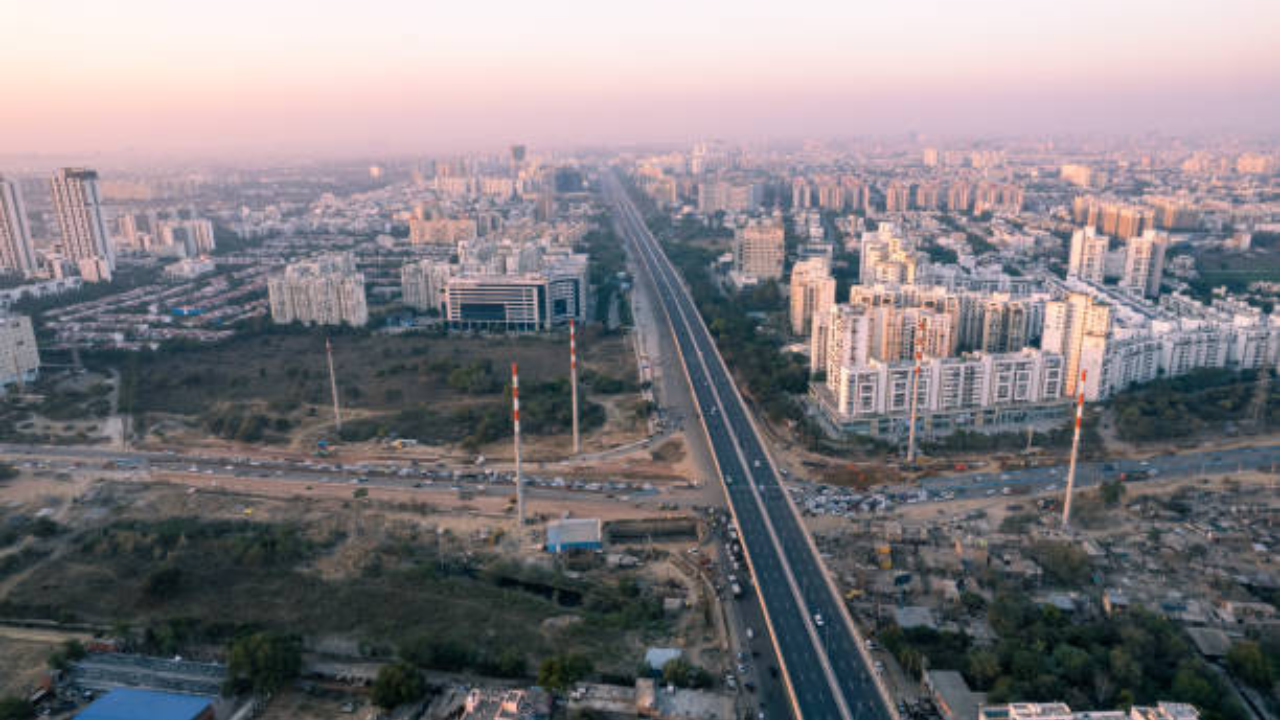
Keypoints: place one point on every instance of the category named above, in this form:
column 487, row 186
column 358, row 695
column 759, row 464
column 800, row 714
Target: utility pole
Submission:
column 573, row 383
column 915, row 393
column 515, row 416
column 333, row 386
column 1075, row 451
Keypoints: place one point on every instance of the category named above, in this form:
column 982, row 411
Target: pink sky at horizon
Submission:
column 398, row 76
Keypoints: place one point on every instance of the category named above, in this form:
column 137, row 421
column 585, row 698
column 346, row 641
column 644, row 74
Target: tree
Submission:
column 396, row 685
column 560, row 671
column 984, row 668
column 510, row 664
column 1249, row 663
column 263, row 661
column 15, row 708
column 682, row 673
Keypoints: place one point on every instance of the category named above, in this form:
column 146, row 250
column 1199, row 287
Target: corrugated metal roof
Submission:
column 573, row 532
column 133, row 704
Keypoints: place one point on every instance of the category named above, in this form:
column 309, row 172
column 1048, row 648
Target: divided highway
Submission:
column 826, row 668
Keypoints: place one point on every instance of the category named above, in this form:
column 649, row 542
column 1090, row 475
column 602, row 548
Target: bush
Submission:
column 396, row 685
column 15, row 708
column 1249, row 663
column 558, row 672
column 263, row 662
column 684, row 674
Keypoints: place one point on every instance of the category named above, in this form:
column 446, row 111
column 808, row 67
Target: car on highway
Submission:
column 817, row 619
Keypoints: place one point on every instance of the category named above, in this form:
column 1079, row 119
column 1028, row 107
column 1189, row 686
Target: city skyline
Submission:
column 389, row 77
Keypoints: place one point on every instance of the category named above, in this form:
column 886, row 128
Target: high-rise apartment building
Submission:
column 327, row 290
column 1144, row 264
column 1088, row 255
column 897, row 197
column 19, row 358
column 813, row 290
column 15, row 234
column 78, row 205
column 1077, row 328
column 423, row 283
column 188, row 238
column 759, row 249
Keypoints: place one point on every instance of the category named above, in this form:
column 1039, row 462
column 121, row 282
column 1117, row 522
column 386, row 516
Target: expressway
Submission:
column 825, row 666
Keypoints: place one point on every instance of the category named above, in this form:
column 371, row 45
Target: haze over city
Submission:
column 498, row 360
column 337, row 78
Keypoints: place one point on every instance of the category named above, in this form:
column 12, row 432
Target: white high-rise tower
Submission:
column 78, row 205
column 15, row 235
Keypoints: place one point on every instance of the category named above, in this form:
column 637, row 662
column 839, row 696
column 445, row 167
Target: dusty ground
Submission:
column 392, row 528
column 22, row 664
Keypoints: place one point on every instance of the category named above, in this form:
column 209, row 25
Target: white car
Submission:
column 817, row 620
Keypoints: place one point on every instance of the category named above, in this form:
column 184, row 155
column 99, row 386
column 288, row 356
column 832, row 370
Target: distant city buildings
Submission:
column 505, row 285
column 16, row 256
column 78, row 207
column 189, row 269
column 166, row 234
column 1079, row 175
column 19, row 357
column 327, row 290
column 441, row 231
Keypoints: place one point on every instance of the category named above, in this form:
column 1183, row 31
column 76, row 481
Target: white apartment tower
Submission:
column 15, row 235
column 78, row 205
column 1088, row 256
column 813, row 290
column 1076, row 328
column 1144, row 264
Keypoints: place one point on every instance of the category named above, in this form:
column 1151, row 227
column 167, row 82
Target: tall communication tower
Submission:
column 333, row 386
column 515, row 416
column 915, row 393
column 1261, row 396
column 1075, row 452
column 573, row 383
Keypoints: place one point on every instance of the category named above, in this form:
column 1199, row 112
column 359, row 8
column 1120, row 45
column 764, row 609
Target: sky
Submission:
column 410, row 76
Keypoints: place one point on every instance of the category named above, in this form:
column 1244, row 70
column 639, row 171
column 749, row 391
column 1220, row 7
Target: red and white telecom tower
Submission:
column 515, row 416
column 915, row 393
column 573, row 383
column 1075, row 451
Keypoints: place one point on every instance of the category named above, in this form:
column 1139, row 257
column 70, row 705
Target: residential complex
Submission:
column 327, row 290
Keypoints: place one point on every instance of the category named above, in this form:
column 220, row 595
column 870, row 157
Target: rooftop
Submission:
column 133, row 704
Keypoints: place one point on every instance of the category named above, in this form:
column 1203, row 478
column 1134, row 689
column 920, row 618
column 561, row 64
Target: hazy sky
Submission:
column 360, row 76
